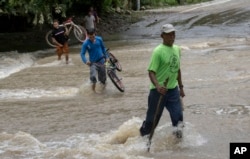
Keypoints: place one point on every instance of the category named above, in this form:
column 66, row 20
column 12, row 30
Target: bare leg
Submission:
column 67, row 59
column 59, row 56
column 59, row 52
column 93, row 87
column 65, row 50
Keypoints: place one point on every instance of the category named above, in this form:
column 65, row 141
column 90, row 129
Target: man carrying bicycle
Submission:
column 97, row 57
column 60, row 39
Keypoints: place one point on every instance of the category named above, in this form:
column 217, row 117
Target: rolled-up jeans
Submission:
column 171, row 100
column 97, row 69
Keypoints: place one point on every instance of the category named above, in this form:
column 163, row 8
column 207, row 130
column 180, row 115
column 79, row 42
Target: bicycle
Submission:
column 79, row 32
column 113, row 65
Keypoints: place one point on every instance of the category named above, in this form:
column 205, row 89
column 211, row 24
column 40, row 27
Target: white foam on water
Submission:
column 55, row 63
column 37, row 93
column 20, row 145
column 123, row 143
column 14, row 62
column 164, row 140
column 233, row 109
column 86, row 88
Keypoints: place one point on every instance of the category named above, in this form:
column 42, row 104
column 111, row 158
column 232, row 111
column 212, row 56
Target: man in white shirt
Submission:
column 89, row 21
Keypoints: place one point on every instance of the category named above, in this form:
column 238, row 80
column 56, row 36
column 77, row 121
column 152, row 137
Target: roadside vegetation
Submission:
column 27, row 21
column 38, row 12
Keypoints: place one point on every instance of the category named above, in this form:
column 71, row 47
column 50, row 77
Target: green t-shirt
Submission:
column 165, row 62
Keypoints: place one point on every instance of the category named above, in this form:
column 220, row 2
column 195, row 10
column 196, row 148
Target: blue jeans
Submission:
column 171, row 100
column 97, row 69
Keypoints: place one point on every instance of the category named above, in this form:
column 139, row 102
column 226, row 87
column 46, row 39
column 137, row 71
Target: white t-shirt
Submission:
column 89, row 22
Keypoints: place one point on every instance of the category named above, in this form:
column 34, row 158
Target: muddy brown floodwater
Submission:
column 49, row 111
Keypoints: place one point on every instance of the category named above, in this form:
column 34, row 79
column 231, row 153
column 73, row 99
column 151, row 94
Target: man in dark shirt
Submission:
column 60, row 39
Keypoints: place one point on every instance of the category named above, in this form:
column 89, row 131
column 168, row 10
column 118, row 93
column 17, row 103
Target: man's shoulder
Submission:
column 86, row 17
column 163, row 47
column 158, row 47
column 98, row 38
column 60, row 28
column 56, row 30
column 176, row 46
column 86, row 42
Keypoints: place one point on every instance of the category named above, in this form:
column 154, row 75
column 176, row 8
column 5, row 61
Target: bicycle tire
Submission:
column 80, row 33
column 48, row 39
column 115, row 62
column 116, row 81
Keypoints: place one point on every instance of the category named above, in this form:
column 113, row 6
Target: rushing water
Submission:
column 48, row 111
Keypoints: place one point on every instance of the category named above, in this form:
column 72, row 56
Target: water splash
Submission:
column 122, row 143
column 14, row 62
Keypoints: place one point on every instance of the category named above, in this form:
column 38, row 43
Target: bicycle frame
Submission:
column 114, row 61
column 110, row 67
column 68, row 22
column 113, row 65
column 111, row 71
column 80, row 32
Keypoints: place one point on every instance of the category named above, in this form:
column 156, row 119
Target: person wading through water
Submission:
column 165, row 65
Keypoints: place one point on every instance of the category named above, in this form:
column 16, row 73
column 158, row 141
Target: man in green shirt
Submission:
column 165, row 76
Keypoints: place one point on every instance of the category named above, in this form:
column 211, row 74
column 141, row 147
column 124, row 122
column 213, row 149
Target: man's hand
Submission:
column 162, row 90
column 88, row 63
column 182, row 94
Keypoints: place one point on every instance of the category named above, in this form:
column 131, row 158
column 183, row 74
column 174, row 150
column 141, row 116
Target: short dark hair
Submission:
column 56, row 20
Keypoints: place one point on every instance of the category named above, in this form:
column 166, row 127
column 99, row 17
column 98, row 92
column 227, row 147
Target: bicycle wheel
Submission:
column 48, row 39
column 115, row 62
column 116, row 81
column 80, row 33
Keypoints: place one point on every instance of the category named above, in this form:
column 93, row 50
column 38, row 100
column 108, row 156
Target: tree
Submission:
column 36, row 11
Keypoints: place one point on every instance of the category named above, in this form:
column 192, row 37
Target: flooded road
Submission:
column 48, row 109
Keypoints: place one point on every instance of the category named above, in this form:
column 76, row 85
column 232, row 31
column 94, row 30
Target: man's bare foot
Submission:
column 93, row 87
column 103, row 86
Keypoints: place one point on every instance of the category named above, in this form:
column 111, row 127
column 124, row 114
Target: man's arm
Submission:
column 152, row 77
column 94, row 21
column 83, row 52
column 180, row 83
column 67, row 31
column 56, row 42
